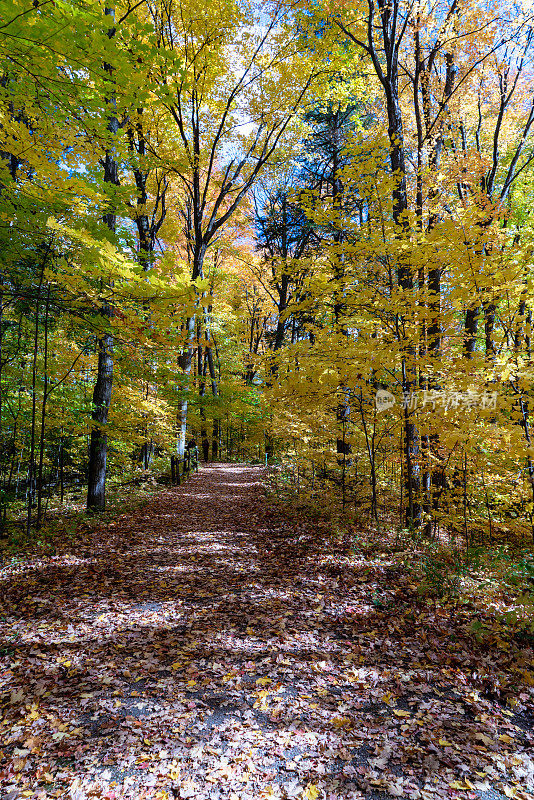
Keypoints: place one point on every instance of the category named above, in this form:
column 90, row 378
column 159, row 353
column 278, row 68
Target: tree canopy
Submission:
column 289, row 231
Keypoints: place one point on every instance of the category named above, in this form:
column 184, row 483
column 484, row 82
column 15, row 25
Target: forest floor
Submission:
column 204, row 646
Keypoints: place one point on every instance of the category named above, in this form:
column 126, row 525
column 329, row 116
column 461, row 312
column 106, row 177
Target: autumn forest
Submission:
column 267, row 280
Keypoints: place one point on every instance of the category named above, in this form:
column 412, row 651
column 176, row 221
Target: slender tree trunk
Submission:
column 96, row 494
column 385, row 61
column 215, row 439
column 148, row 227
column 283, row 285
column 343, row 448
column 14, row 437
column 202, row 368
column 185, row 361
column 208, row 359
column 370, row 446
column 470, row 330
column 405, row 282
column 31, row 466
column 43, row 412
column 489, row 325
column 437, row 473
column 2, row 447
column 61, row 469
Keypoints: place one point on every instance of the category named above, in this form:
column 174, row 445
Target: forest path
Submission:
column 202, row 647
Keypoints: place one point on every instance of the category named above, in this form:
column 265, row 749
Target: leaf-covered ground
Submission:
column 204, row 648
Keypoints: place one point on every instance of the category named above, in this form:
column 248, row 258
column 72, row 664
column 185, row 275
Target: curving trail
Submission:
column 206, row 647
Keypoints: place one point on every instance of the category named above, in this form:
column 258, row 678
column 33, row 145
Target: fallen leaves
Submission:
column 186, row 659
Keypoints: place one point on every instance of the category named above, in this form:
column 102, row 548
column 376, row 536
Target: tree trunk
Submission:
column 470, row 330
column 96, row 493
column 405, row 282
column 31, row 467
column 96, row 489
column 43, row 413
column 202, row 368
column 215, row 440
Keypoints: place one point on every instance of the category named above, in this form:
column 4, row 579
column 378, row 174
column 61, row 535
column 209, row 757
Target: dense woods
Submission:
column 293, row 233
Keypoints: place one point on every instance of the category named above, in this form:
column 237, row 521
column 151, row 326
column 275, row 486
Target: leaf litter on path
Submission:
column 194, row 649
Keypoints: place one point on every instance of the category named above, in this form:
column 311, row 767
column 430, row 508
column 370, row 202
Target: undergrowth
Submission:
column 498, row 578
column 64, row 522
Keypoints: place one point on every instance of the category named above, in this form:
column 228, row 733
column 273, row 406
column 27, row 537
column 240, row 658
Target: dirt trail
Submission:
column 199, row 648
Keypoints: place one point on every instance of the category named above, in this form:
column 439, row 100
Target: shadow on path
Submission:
column 199, row 648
